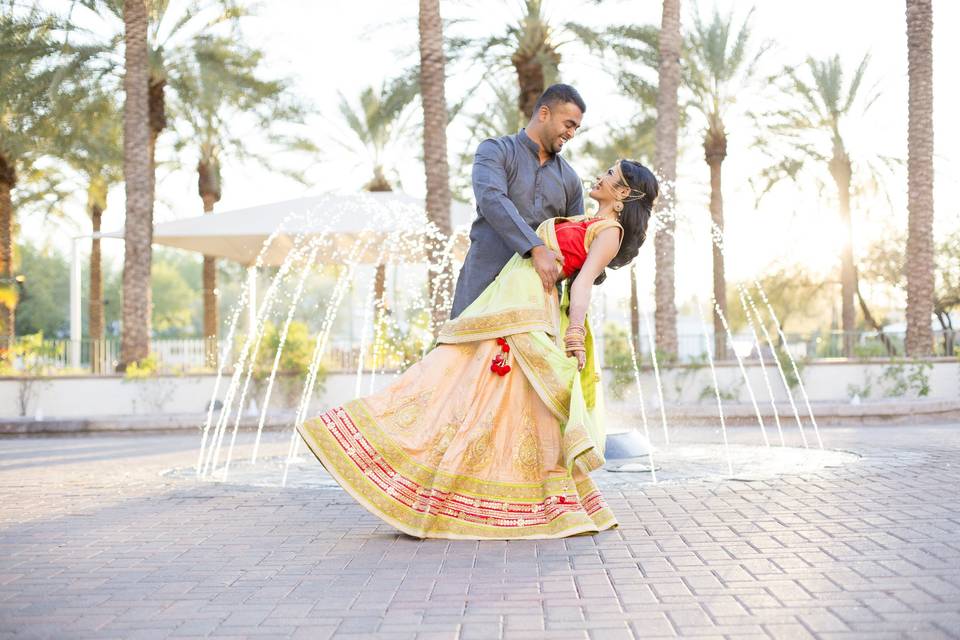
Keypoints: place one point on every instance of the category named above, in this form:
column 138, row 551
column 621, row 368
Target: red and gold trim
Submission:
column 425, row 502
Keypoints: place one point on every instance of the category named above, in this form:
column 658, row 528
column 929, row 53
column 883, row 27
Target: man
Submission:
column 519, row 181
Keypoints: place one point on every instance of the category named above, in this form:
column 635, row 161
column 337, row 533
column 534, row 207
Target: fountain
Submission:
column 398, row 234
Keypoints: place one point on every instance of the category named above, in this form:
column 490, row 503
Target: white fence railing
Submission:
column 28, row 355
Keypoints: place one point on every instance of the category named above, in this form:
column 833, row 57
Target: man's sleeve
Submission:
column 490, row 190
column 575, row 198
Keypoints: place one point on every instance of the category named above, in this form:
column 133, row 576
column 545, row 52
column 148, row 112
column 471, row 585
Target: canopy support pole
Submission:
column 252, row 293
column 75, row 317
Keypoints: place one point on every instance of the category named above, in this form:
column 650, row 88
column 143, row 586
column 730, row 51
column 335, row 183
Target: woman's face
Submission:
column 607, row 187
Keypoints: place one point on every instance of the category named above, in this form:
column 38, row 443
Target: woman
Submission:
column 493, row 433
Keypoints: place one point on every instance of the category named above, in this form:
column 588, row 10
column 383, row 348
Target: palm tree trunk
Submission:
column 95, row 326
column 380, row 291
column 209, row 188
column 871, row 321
column 715, row 147
column 920, row 259
column 842, row 171
column 138, row 173
column 7, row 285
column 433, row 97
column 156, row 109
column 848, row 280
column 211, row 314
column 379, row 184
column 665, row 162
column 531, row 81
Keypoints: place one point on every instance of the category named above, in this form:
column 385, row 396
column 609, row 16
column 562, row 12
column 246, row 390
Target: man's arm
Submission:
column 490, row 190
column 575, row 198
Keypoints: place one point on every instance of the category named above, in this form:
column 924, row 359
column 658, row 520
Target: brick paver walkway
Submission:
column 94, row 542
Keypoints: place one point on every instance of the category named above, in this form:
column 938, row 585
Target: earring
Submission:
column 618, row 206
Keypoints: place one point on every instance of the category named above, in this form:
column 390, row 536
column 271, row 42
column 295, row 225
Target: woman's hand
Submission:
column 581, row 357
column 574, row 342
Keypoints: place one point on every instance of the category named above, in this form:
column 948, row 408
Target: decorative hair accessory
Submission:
column 635, row 194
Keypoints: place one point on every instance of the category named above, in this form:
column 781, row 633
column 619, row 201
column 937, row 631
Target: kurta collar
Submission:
column 533, row 146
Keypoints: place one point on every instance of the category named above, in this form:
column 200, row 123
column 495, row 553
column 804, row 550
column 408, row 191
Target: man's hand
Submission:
column 548, row 265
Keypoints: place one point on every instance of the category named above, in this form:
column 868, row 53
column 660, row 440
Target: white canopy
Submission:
column 343, row 218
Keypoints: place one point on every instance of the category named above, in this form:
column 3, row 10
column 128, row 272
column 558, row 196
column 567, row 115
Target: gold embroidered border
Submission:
column 578, row 448
column 596, row 228
column 362, row 486
column 366, row 423
column 495, row 325
column 541, row 375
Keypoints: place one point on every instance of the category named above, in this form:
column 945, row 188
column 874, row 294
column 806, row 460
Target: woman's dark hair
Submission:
column 636, row 213
column 637, row 209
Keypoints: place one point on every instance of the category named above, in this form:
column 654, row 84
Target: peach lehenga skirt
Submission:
column 452, row 450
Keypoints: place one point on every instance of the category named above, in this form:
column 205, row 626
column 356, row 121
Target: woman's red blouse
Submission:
column 572, row 239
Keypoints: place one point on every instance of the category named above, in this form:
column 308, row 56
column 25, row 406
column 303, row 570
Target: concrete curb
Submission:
column 827, row 413
column 133, row 424
column 735, row 414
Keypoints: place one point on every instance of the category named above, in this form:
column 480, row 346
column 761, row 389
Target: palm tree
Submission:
column 436, row 168
column 90, row 143
column 138, row 174
column 535, row 58
column 498, row 116
column 34, row 64
column 719, row 66
column 532, row 48
column 639, row 44
column 379, row 125
column 919, row 267
column 812, row 132
column 215, row 88
column 636, row 140
column 529, row 48
column 665, row 163
column 168, row 39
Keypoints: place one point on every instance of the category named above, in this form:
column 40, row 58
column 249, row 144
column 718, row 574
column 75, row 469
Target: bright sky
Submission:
column 364, row 43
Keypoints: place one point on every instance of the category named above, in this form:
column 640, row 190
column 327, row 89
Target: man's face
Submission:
column 561, row 124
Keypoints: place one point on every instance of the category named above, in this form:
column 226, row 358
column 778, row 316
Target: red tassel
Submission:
column 499, row 364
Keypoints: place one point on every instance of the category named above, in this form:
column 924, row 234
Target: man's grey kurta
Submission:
column 514, row 195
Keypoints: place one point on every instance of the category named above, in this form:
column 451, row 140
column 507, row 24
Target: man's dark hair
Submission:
column 559, row 93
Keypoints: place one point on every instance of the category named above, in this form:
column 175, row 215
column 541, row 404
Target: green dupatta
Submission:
column 516, row 307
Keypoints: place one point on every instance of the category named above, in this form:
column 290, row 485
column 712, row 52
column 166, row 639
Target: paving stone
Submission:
column 110, row 547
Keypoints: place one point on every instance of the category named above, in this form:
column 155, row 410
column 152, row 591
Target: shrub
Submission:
column 616, row 357
column 294, row 364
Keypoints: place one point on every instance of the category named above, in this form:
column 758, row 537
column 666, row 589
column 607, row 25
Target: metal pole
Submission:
column 75, row 319
column 252, row 291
